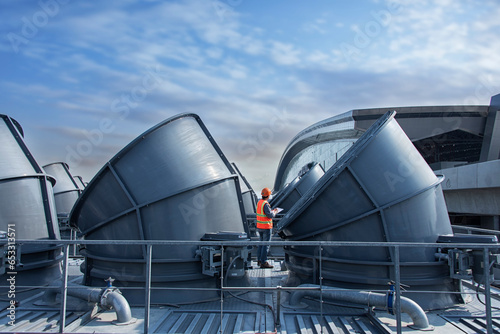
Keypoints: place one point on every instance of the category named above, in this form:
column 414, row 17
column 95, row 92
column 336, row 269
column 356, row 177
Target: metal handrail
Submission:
column 149, row 259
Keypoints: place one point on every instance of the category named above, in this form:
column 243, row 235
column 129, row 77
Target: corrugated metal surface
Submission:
column 35, row 321
column 471, row 324
column 209, row 322
column 314, row 323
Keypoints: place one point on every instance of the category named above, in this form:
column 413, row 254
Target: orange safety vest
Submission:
column 263, row 221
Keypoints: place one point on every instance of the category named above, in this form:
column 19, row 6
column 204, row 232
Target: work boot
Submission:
column 266, row 265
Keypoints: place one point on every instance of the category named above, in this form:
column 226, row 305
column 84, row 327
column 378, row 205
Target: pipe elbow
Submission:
column 115, row 300
column 416, row 313
column 408, row 306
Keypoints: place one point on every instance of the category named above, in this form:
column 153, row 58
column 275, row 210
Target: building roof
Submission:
column 464, row 123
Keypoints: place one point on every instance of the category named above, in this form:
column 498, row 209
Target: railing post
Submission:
column 64, row 287
column 149, row 253
column 321, row 282
column 74, row 236
column 397, row 273
column 221, row 287
column 487, row 290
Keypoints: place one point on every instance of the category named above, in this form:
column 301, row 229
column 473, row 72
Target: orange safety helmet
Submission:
column 266, row 192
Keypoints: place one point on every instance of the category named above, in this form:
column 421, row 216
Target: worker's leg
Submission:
column 265, row 235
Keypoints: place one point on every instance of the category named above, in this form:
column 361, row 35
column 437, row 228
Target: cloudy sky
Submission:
column 84, row 78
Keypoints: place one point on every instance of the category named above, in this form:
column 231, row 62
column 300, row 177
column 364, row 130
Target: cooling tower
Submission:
column 171, row 183
column 381, row 190
column 66, row 190
column 79, row 182
column 249, row 199
column 27, row 209
column 292, row 192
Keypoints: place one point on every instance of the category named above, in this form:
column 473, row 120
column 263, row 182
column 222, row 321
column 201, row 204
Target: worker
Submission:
column 265, row 217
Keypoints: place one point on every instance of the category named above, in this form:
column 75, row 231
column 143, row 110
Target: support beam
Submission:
column 491, row 143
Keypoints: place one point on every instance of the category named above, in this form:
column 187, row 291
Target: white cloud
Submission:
column 215, row 53
column 284, row 53
column 318, row 26
column 216, row 62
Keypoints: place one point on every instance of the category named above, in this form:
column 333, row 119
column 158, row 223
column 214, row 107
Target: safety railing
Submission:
column 148, row 258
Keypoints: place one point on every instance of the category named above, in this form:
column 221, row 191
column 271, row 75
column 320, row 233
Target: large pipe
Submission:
column 108, row 298
column 368, row 298
column 115, row 300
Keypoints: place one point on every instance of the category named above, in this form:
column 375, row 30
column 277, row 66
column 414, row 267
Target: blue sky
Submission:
column 85, row 78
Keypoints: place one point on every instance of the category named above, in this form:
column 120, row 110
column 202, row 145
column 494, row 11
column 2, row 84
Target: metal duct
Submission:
column 66, row 190
column 381, row 190
column 171, row 183
column 249, row 202
column 365, row 298
column 79, row 182
column 247, row 193
column 107, row 298
column 292, row 192
column 27, row 208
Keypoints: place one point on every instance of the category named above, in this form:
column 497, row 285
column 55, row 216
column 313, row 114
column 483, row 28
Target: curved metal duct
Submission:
column 171, row 183
column 247, row 193
column 27, row 208
column 79, row 182
column 66, row 190
column 249, row 201
column 292, row 192
column 381, row 190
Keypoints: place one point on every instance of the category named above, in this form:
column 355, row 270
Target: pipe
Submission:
column 368, row 298
column 114, row 299
column 108, row 298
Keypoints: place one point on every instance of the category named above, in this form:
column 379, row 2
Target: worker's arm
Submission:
column 267, row 210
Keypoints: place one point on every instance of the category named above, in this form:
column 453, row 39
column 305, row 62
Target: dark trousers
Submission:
column 264, row 235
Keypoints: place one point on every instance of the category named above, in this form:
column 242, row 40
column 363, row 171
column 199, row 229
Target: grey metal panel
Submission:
column 170, row 183
column 244, row 185
column 289, row 195
column 64, row 180
column 66, row 190
column 390, row 167
column 491, row 144
column 13, row 161
column 100, row 206
column 14, row 205
column 247, row 193
column 79, row 182
column 380, row 190
column 249, row 202
column 168, row 160
column 27, row 206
